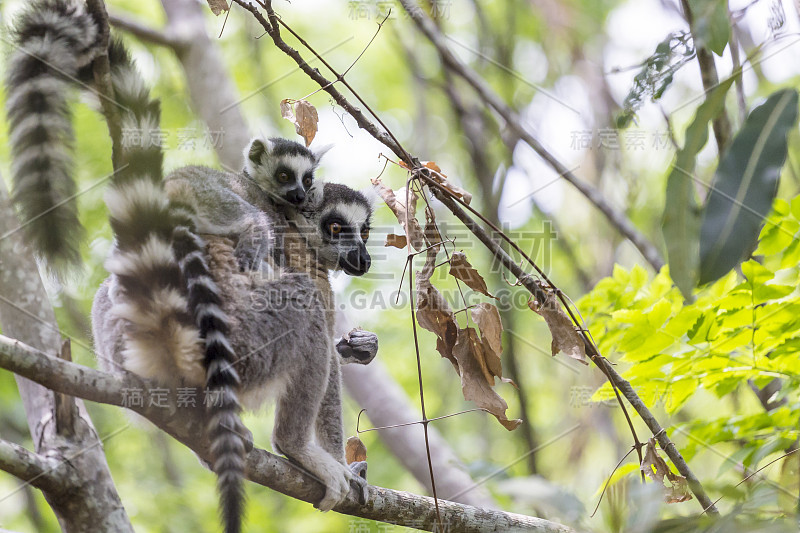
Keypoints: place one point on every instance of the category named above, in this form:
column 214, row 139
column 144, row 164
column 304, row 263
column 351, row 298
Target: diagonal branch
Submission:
column 489, row 241
column 264, row 468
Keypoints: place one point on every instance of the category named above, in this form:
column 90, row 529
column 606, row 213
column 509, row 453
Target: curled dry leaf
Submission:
column 462, row 269
column 657, row 469
column 477, row 379
column 432, row 310
column 487, row 318
column 304, row 117
column 218, row 6
column 565, row 337
column 397, row 203
column 398, row 241
column 355, row 450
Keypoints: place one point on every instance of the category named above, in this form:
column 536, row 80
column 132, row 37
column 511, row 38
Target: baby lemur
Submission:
column 175, row 310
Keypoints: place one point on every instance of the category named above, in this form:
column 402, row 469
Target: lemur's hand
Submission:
column 357, row 346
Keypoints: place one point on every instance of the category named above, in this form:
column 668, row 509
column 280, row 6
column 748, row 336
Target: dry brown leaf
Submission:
column 355, row 450
column 434, row 314
column 461, row 268
column 487, row 318
column 433, row 166
column 657, row 469
column 398, row 241
column 304, row 117
column 218, row 6
column 307, row 120
column 397, row 203
column 468, row 352
column 565, row 337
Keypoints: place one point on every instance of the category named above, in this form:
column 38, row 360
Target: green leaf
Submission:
column 681, row 221
column 711, row 27
column 745, row 185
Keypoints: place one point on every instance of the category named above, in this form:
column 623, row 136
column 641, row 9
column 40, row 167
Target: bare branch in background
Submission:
column 708, row 73
column 512, row 119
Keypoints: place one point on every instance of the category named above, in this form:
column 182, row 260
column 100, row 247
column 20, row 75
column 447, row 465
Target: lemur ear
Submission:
column 256, row 150
column 319, row 152
column 370, row 195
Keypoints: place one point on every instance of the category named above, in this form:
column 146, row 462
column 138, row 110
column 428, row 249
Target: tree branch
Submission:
column 262, row 467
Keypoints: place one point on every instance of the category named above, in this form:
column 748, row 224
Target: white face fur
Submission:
column 283, row 169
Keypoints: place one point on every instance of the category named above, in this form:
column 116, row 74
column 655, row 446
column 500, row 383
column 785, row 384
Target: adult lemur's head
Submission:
column 283, row 169
column 341, row 223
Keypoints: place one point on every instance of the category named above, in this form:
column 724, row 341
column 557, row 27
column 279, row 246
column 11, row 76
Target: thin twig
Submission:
column 756, row 472
column 599, row 501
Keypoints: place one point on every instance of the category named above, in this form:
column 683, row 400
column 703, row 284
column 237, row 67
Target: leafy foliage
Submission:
column 745, row 184
column 741, row 332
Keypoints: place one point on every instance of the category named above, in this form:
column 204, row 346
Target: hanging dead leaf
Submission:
column 476, row 379
column 397, row 203
column 657, row 469
column 398, row 241
column 307, row 120
column 286, row 110
column 462, row 269
column 434, row 314
column 565, row 337
column 355, row 450
column 487, row 318
column 218, row 6
column 304, row 117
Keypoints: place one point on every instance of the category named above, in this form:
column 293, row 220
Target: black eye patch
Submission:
column 284, row 175
column 335, row 226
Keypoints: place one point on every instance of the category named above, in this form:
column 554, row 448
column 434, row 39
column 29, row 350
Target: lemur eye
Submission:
column 335, row 228
column 365, row 234
column 307, row 181
column 283, row 177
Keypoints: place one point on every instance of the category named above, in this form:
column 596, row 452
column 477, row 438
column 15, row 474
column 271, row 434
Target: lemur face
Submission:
column 283, row 169
column 344, row 222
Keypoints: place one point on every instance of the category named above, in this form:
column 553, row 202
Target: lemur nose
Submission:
column 296, row 196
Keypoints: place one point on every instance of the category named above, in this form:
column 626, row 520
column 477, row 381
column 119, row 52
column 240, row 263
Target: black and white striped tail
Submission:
column 225, row 429
column 54, row 41
column 180, row 258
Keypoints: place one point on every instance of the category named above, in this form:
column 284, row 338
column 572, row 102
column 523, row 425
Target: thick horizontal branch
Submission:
column 264, row 468
column 512, row 119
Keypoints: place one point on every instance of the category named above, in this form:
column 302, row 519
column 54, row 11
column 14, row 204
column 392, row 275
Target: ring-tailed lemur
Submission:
column 234, row 205
column 150, row 313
